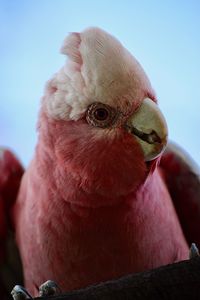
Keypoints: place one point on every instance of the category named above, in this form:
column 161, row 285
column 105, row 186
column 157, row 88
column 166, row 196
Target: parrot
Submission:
column 105, row 194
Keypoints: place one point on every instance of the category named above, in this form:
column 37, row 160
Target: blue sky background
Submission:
column 163, row 35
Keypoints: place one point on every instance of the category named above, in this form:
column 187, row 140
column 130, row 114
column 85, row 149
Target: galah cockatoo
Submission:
column 101, row 198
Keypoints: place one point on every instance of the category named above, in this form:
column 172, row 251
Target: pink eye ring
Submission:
column 101, row 115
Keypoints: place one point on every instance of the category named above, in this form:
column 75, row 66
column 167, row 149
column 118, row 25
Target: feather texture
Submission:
column 89, row 207
column 98, row 69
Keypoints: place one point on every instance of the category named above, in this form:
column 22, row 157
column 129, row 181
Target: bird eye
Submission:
column 101, row 115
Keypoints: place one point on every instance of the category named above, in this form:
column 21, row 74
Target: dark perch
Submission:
column 176, row 281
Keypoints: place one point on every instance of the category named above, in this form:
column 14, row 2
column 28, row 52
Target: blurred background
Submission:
column 163, row 35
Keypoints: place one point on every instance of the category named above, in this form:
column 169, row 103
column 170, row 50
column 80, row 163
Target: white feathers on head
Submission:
column 98, row 69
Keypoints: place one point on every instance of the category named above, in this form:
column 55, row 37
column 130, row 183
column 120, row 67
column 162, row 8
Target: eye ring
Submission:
column 101, row 115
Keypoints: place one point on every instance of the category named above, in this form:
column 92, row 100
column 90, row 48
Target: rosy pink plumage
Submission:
column 90, row 208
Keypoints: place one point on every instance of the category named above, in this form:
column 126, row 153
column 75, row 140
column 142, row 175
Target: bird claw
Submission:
column 194, row 251
column 49, row 288
column 20, row 293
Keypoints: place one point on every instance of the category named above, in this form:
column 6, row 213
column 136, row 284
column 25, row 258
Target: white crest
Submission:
column 98, row 69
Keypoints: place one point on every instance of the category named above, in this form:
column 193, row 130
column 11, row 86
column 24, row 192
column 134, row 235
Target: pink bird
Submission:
column 101, row 198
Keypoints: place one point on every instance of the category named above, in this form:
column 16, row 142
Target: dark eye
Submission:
column 101, row 115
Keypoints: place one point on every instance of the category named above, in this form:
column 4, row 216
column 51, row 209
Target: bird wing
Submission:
column 182, row 176
column 11, row 172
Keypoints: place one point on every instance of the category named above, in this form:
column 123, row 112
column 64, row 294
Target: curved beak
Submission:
column 149, row 127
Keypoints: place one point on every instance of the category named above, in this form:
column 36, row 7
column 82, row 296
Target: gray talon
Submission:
column 20, row 293
column 49, row 288
column 194, row 251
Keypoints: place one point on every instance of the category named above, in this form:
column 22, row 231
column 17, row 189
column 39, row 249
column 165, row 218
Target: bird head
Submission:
column 100, row 117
